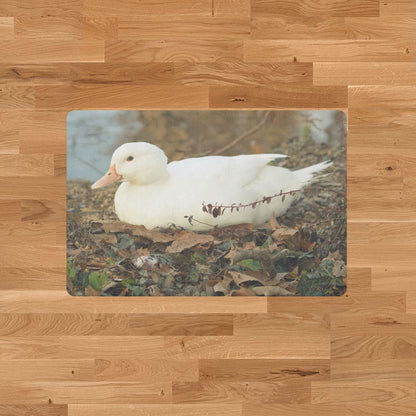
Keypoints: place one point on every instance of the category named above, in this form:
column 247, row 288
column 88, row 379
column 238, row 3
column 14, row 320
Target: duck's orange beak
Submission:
column 110, row 177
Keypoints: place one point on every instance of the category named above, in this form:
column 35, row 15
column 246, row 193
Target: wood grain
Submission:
column 350, row 356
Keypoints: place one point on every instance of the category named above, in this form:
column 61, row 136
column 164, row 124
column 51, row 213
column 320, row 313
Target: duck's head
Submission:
column 138, row 163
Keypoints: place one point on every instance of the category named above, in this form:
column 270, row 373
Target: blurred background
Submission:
column 92, row 136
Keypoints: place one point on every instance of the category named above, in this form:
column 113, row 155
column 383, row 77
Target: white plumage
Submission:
column 157, row 194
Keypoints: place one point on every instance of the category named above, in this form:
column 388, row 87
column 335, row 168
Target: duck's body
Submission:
column 157, row 194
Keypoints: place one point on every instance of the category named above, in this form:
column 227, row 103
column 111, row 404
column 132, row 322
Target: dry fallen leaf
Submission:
column 108, row 238
column 136, row 230
column 243, row 291
column 270, row 291
column 282, row 233
column 186, row 239
column 223, row 286
column 339, row 269
column 243, row 279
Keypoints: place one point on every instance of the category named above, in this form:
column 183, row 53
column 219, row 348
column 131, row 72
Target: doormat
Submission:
column 206, row 203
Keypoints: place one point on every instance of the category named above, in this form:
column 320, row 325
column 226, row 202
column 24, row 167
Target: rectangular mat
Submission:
column 206, row 203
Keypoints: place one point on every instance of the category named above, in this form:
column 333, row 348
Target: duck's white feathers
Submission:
column 216, row 180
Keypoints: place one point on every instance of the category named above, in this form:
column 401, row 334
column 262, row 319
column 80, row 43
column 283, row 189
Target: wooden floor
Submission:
column 354, row 355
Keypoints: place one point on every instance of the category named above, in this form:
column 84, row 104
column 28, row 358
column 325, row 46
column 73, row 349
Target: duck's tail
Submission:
column 308, row 174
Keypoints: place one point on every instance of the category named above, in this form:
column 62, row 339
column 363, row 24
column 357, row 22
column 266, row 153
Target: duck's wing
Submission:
column 220, row 170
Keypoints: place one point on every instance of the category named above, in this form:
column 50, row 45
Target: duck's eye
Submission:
column 130, row 158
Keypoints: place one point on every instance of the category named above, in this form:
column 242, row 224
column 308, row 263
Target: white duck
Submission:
column 157, row 194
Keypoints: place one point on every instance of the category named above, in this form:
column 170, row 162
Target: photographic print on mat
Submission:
column 206, row 203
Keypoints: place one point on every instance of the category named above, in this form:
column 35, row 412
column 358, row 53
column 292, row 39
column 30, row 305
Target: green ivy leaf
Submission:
column 71, row 270
column 251, row 264
column 97, row 280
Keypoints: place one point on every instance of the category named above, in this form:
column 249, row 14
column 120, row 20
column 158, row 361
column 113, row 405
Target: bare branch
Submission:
column 218, row 209
column 86, row 163
column 244, row 135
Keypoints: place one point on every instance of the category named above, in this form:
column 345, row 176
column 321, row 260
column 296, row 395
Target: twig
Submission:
column 218, row 209
column 244, row 135
column 191, row 219
column 86, row 163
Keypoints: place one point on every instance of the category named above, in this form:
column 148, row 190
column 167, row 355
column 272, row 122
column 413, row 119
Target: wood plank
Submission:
column 364, row 73
column 373, row 347
column 12, row 96
column 139, row 369
column 285, row 96
column 65, row 27
column 10, row 210
column 385, row 409
column 44, row 210
column 59, row 165
column 294, row 391
column 34, row 410
column 63, row 392
column 98, row 96
column 361, row 391
column 34, row 278
column 370, row 370
column 381, row 27
column 63, row 324
column 28, row 233
column 81, row 347
column 411, row 301
column 114, row 324
column 40, row 8
column 358, row 279
column 16, row 187
column 59, row 301
column 328, row 51
column 127, row 8
column 237, row 8
column 382, row 96
column 249, row 346
column 46, row 370
column 263, row 370
column 146, row 51
column 39, row 164
column 373, row 322
column 379, row 165
column 9, row 143
column 180, row 324
column 203, row 409
column 161, row 73
column 380, row 255
column 32, row 51
column 272, row 409
column 37, row 131
column 387, row 278
column 394, row 301
column 32, row 256
column 308, row 8
column 156, row 347
column 174, row 29
column 397, row 8
column 281, row 27
column 35, row 74
column 281, row 324
column 6, row 27
column 239, row 73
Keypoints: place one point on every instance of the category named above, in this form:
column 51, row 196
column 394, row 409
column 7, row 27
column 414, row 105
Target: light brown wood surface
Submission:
column 353, row 355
